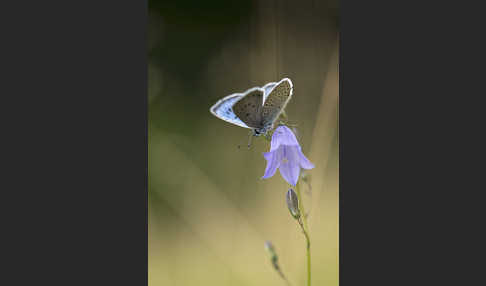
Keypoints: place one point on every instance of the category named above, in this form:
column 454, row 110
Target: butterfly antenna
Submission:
column 249, row 140
column 239, row 146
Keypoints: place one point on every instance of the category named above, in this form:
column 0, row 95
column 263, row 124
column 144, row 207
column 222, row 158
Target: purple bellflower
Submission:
column 286, row 155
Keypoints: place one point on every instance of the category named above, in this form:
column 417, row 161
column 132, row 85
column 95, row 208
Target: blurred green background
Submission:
column 209, row 211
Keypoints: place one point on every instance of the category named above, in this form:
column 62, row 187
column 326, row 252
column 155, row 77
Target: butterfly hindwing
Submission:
column 249, row 107
column 276, row 101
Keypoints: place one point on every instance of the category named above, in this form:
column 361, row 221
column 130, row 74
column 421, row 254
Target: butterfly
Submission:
column 257, row 108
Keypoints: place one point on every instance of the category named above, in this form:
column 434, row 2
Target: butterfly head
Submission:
column 263, row 130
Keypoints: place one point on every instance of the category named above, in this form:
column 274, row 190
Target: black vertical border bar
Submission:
column 411, row 156
column 74, row 193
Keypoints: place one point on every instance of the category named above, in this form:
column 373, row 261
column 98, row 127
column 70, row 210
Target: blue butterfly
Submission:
column 257, row 108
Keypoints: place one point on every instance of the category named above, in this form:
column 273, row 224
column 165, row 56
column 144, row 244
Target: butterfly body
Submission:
column 257, row 108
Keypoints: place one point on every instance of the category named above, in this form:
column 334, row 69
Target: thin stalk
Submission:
column 305, row 229
column 283, row 277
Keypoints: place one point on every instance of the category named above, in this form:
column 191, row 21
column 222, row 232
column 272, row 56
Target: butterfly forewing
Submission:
column 249, row 107
column 268, row 88
column 223, row 109
column 276, row 101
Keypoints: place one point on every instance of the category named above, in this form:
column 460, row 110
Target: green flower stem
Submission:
column 305, row 229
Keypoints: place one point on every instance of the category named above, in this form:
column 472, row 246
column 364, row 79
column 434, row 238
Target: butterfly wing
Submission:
column 268, row 88
column 276, row 101
column 249, row 107
column 223, row 109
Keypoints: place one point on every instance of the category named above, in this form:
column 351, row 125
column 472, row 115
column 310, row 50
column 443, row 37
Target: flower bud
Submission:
column 269, row 247
column 293, row 203
column 273, row 254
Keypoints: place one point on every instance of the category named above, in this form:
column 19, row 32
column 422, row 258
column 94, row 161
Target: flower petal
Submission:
column 304, row 162
column 283, row 136
column 273, row 162
column 290, row 168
